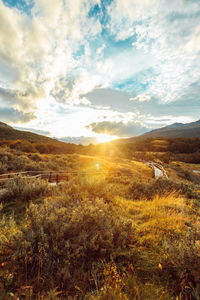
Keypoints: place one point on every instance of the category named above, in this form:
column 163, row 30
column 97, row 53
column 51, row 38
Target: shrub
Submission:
column 65, row 239
column 23, row 145
column 10, row 237
column 36, row 157
column 42, row 148
column 3, row 167
column 18, row 164
column 33, row 167
column 24, row 189
column 182, row 260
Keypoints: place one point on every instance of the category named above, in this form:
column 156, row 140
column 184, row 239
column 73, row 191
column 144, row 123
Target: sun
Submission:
column 104, row 138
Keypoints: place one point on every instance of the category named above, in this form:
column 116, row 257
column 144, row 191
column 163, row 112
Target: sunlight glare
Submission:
column 104, row 138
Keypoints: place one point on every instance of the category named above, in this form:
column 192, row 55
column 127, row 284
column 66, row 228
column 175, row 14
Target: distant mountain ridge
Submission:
column 175, row 130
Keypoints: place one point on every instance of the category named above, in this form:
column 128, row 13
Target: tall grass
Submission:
column 100, row 237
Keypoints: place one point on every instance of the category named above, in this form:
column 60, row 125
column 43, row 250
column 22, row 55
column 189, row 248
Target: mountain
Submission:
column 9, row 133
column 175, row 130
column 172, row 131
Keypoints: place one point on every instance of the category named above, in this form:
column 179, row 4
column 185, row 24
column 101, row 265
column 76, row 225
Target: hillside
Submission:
column 176, row 130
column 9, row 133
column 5, row 126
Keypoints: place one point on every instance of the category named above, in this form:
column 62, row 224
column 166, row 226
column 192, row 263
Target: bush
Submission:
column 10, row 237
column 36, row 157
column 23, row 145
column 65, row 240
column 183, row 261
column 19, row 163
column 34, row 167
column 3, row 168
column 24, row 189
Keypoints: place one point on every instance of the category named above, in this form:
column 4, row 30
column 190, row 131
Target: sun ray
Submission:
column 104, row 138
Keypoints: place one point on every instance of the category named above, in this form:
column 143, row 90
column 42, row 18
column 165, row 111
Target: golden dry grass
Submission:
column 162, row 239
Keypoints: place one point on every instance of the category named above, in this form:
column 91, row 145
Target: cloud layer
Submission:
column 127, row 62
column 118, row 128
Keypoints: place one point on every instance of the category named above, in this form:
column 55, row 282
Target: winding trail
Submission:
column 158, row 169
column 196, row 171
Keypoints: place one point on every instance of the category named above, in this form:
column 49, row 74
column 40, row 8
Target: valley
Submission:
column 117, row 220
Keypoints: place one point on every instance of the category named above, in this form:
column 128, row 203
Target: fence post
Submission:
column 50, row 177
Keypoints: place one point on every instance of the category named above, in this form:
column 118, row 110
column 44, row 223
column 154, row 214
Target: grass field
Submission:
column 111, row 231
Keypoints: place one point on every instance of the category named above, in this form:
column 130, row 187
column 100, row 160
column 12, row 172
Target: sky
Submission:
column 94, row 70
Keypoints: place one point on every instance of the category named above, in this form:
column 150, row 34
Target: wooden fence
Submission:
column 57, row 176
column 50, row 176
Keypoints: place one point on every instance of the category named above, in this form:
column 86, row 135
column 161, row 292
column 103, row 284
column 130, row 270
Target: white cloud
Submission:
column 141, row 98
column 39, row 49
column 124, row 13
column 193, row 45
column 123, row 65
column 168, row 120
column 170, row 33
column 51, row 59
column 124, row 34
